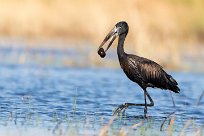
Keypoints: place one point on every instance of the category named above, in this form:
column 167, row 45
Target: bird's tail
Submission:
column 173, row 85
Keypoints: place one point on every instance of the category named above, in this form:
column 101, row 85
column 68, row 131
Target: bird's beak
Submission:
column 113, row 34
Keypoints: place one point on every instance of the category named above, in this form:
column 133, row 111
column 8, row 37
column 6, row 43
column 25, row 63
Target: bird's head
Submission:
column 121, row 28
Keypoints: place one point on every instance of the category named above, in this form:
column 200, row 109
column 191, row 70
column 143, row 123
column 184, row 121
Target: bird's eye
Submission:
column 119, row 30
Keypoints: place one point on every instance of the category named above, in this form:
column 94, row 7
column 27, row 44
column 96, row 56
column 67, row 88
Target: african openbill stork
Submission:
column 144, row 72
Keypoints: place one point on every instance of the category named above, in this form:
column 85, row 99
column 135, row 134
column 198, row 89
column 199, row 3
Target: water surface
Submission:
column 33, row 95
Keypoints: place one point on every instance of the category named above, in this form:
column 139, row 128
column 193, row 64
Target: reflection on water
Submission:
column 33, row 95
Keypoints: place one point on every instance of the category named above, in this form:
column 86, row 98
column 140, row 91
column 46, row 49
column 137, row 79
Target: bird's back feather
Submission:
column 148, row 73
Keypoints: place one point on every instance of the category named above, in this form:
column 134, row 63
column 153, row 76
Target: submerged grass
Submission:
column 74, row 124
column 27, row 118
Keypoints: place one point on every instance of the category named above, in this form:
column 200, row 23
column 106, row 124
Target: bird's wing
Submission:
column 150, row 72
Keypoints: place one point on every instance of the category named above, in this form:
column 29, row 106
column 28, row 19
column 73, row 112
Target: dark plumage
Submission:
column 147, row 73
column 144, row 72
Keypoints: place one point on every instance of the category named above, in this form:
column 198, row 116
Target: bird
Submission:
column 143, row 71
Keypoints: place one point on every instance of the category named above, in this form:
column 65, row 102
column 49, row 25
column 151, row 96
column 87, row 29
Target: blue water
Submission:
column 33, row 94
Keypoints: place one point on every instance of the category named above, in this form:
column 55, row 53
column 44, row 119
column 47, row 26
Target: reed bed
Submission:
column 159, row 29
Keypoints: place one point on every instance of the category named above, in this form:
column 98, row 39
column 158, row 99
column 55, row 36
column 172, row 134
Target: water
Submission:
column 95, row 92
column 51, row 97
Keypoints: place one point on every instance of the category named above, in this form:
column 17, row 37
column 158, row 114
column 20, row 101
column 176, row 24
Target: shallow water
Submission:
column 46, row 96
column 39, row 92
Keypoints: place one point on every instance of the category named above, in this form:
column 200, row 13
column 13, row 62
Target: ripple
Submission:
column 75, row 94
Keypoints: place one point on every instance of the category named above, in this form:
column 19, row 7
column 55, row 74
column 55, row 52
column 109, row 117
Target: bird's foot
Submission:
column 120, row 108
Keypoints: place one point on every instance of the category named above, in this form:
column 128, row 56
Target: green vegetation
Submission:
column 73, row 124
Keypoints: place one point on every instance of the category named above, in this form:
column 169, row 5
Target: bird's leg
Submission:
column 126, row 105
column 145, row 107
column 150, row 99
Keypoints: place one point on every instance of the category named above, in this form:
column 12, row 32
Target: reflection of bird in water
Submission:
column 145, row 72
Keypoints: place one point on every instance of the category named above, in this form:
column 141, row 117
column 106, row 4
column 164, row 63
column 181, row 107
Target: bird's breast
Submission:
column 130, row 69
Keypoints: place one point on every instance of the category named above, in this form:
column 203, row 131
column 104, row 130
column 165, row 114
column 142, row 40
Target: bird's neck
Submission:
column 120, row 48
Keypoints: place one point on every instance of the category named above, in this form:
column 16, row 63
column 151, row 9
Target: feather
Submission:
column 148, row 73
